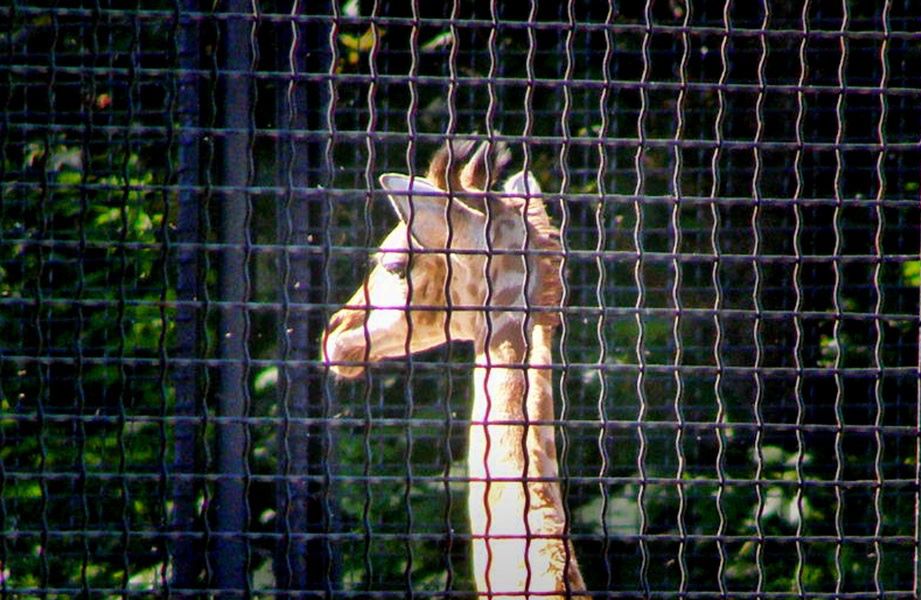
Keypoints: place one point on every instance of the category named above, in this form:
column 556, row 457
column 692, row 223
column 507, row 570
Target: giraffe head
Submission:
column 429, row 281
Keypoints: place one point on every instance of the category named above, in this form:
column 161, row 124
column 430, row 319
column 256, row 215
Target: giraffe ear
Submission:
column 418, row 201
column 522, row 183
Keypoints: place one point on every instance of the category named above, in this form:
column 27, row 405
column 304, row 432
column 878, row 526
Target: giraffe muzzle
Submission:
column 343, row 344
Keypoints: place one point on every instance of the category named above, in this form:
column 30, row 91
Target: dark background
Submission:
column 186, row 194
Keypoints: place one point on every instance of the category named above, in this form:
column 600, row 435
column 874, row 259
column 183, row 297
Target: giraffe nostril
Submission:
column 329, row 340
column 334, row 322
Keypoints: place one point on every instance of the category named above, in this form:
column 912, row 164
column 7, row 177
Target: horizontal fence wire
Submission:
column 190, row 194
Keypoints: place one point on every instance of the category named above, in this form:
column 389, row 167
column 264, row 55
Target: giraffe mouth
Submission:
column 344, row 363
column 347, row 371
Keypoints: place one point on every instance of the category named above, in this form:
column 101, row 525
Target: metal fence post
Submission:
column 230, row 550
column 303, row 503
column 186, row 556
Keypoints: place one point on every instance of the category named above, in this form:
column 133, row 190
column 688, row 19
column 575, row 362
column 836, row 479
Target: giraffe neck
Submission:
column 510, row 435
column 514, row 384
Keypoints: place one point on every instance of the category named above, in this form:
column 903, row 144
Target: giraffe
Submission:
column 518, row 527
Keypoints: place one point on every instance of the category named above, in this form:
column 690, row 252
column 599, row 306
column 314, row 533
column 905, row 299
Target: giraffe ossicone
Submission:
column 464, row 263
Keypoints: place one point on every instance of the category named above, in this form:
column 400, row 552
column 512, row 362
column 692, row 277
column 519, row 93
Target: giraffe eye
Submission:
column 396, row 266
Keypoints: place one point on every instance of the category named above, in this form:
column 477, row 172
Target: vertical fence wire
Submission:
column 757, row 291
column 245, row 330
column 209, row 199
column 526, row 322
column 838, row 310
column 718, row 293
column 79, row 392
column 565, row 218
column 334, row 564
column 41, row 334
column 601, row 213
column 640, row 303
column 369, row 175
column 4, row 158
column 123, row 205
column 328, row 213
column 488, row 317
column 164, row 489
column 798, row 290
column 448, row 414
column 916, row 567
column 292, row 553
column 675, row 225
column 411, row 147
column 878, row 306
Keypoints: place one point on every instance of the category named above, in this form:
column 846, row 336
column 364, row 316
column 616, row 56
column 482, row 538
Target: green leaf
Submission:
column 911, row 273
column 439, row 41
column 363, row 43
column 267, row 378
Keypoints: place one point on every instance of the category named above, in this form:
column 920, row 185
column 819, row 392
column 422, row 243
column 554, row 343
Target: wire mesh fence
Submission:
column 189, row 193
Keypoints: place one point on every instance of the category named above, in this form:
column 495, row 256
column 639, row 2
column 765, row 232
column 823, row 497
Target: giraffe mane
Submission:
column 545, row 237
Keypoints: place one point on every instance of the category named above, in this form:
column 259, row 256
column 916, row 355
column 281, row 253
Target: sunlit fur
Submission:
column 519, row 529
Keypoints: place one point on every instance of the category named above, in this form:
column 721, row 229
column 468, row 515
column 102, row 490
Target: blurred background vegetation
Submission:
column 738, row 379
